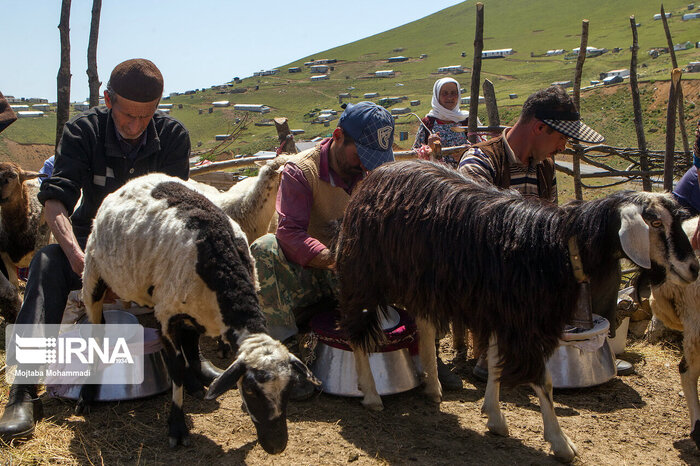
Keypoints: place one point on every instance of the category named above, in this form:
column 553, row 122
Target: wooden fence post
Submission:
column 671, row 129
column 491, row 104
column 681, row 109
column 63, row 78
column 93, row 77
column 582, row 52
column 476, row 72
column 637, row 105
column 285, row 136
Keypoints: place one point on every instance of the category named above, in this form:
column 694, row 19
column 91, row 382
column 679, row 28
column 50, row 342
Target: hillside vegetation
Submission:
column 528, row 26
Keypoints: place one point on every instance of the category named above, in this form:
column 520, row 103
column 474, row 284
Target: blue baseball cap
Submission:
column 372, row 128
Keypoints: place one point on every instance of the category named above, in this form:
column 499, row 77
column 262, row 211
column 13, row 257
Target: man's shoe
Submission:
column 448, row 379
column 481, row 370
column 209, row 371
column 623, row 367
column 22, row 411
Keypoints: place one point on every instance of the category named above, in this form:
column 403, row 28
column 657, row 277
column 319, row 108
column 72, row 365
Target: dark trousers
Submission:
column 50, row 281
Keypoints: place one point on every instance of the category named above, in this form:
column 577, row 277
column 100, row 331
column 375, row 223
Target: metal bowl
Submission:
column 393, row 368
column 156, row 379
column 393, row 371
column 583, row 359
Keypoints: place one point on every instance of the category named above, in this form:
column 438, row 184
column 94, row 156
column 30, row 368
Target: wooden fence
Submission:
column 640, row 164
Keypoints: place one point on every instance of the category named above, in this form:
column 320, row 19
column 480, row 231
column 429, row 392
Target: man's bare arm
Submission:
column 57, row 218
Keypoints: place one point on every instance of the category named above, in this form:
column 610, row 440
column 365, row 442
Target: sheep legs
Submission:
column 200, row 372
column 177, row 429
column 428, row 361
column 690, row 370
column 562, row 446
column 365, row 381
column 496, row 420
column 433, row 389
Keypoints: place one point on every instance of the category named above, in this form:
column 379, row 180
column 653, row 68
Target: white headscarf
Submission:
column 442, row 113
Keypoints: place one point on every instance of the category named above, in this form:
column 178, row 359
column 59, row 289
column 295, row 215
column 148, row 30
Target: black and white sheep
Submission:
column 250, row 202
column 157, row 242
column 448, row 249
column 23, row 230
column 678, row 307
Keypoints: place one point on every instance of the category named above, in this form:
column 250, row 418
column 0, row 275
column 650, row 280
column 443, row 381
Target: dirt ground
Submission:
column 28, row 156
column 638, row 419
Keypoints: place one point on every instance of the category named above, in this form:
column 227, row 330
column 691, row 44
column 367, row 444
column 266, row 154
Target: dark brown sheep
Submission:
column 449, row 249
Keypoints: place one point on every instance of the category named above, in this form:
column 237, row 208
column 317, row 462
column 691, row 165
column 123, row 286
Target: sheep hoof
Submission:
column 695, row 434
column 174, row 441
column 434, row 394
column 373, row 405
column 565, row 450
column 497, row 425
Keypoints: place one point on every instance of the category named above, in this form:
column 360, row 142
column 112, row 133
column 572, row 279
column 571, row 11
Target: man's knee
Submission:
column 50, row 258
column 51, row 253
column 264, row 247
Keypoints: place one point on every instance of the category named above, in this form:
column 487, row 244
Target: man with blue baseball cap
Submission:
column 295, row 265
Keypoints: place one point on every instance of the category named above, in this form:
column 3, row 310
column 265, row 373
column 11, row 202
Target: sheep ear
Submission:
column 303, row 371
column 31, row 175
column 634, row 235
column 260, row 163
column 226, row 380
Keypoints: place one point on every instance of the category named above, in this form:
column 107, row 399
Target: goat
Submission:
column 23, row 230
column 451, row 249
column 678, row 307
column 250, row 202
column 159, row 243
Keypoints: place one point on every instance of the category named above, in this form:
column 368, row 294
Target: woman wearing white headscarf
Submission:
column 445, row 114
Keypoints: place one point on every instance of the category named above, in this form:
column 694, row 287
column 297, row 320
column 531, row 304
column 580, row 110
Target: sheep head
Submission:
column 264, row 371
column 12, row 179
column 651, row 235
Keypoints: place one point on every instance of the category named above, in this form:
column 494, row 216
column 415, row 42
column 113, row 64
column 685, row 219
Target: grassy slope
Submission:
column 525, row 25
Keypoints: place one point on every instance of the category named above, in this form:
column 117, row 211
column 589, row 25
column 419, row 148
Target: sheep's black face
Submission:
column 672, row 257
column 265, row 397
column 264, row 371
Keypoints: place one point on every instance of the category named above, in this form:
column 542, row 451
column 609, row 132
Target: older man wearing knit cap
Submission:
column 99, row 151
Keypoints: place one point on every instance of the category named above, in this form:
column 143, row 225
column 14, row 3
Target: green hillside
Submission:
column 531, row 27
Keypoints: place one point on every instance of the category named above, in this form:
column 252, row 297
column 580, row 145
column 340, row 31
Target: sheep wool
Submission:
column 451, row 249
column 250, row 202
column 158, row 242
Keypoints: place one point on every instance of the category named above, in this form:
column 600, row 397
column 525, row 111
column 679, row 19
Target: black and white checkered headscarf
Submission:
column 569, row 124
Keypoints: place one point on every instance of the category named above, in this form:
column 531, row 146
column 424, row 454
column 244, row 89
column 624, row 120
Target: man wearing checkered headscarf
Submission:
column 522, row 157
